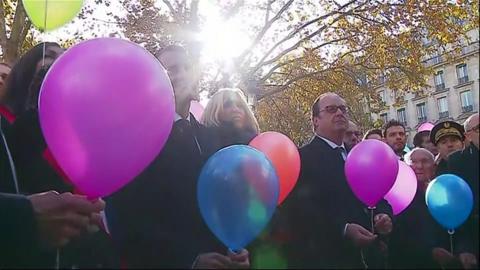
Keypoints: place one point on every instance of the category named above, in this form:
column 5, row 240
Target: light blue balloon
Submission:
column 450, row 200
column 237, row 194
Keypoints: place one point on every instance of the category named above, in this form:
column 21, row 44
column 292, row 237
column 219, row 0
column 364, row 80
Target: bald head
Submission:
column 422, row 162
column 471, row 129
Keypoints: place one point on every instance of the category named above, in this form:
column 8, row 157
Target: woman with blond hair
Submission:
column 229, row 118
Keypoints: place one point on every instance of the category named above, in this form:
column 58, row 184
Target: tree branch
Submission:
column 297, row 30
column 264, row 30
column 279, row 65
column 328, row 67
column 19, row 22
column 234, row 10
column 172, row 10
column 3, row 31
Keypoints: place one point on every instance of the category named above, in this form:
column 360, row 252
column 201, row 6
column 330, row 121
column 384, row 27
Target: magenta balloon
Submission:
column 404, row 189
column 196, row 109
column 425, row 127
column 371, row 169
column 106, row 110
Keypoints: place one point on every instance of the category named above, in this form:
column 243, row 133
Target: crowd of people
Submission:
column 154, row 221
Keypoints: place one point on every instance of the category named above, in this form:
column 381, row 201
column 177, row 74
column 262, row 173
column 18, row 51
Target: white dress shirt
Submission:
column 334, row 146
column 178, row 117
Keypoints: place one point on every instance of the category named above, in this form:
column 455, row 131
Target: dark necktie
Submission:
column 341, row 151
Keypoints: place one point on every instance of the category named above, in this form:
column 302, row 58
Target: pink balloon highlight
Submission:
column 106, row 110
column 425, row 127
column 196, row 109
column 404, row 189
column 371, row 169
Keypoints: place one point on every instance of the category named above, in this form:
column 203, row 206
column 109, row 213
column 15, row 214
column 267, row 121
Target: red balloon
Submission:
column 283, row 154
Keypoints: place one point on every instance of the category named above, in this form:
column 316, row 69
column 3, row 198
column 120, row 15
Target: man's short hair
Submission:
column 391, row 123
column 373, row 131
column 315, row 108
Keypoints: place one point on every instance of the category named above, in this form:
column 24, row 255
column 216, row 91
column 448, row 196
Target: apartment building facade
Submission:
column 453, row 93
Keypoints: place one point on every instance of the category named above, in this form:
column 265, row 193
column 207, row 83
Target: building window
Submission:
column 421, row 112
column 381, row 79
column 462, row 73
column 442, row 107
column 439, row 81
column 402, row 116
column 437, row 58
column 384, row 117
column 467, row 101
column 383, row 96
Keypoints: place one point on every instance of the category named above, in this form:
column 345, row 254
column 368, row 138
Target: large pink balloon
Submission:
column 106, row 110
column 404, row 189
column 425, row 127
column 371, row 169
column 196, row 109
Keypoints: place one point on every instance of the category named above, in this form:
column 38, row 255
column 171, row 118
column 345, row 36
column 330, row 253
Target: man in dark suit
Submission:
column 327, row 222
column 464, row 163
column 155, row 220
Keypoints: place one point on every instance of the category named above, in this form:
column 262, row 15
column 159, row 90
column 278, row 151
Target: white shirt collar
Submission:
column 330, row 143
column 178, row 117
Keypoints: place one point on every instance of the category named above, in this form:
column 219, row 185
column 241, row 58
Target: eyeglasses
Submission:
column 333, row 109
column 476, row 128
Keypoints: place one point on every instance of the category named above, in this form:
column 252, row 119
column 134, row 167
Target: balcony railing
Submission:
column 436, row 60
column 468, row 108
column 422, row 119
column 442, row 115
column 440, row 87
column 463, row 80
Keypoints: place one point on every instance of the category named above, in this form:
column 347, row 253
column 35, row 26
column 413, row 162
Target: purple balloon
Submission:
column 371, row 169
column 106, row 110
column 404, row 189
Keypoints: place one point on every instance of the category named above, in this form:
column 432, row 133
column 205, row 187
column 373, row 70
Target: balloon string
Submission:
column 57, row 259
column 44, row 30
column 451, row 232
column 371, row 218
column 365, row 265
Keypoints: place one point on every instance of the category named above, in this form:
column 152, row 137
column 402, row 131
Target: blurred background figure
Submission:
column 352, row 136
column 375, row 134
column 422, row 140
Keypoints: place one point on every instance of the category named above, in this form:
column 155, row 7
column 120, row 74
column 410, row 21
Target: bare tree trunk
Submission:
column 11, row 46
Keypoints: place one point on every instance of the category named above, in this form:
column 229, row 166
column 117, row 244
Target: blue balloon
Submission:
column 450, row 200
column 237, row 194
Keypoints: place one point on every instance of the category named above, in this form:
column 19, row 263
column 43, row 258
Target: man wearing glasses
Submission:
column 328, row 223
column 465, row 164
